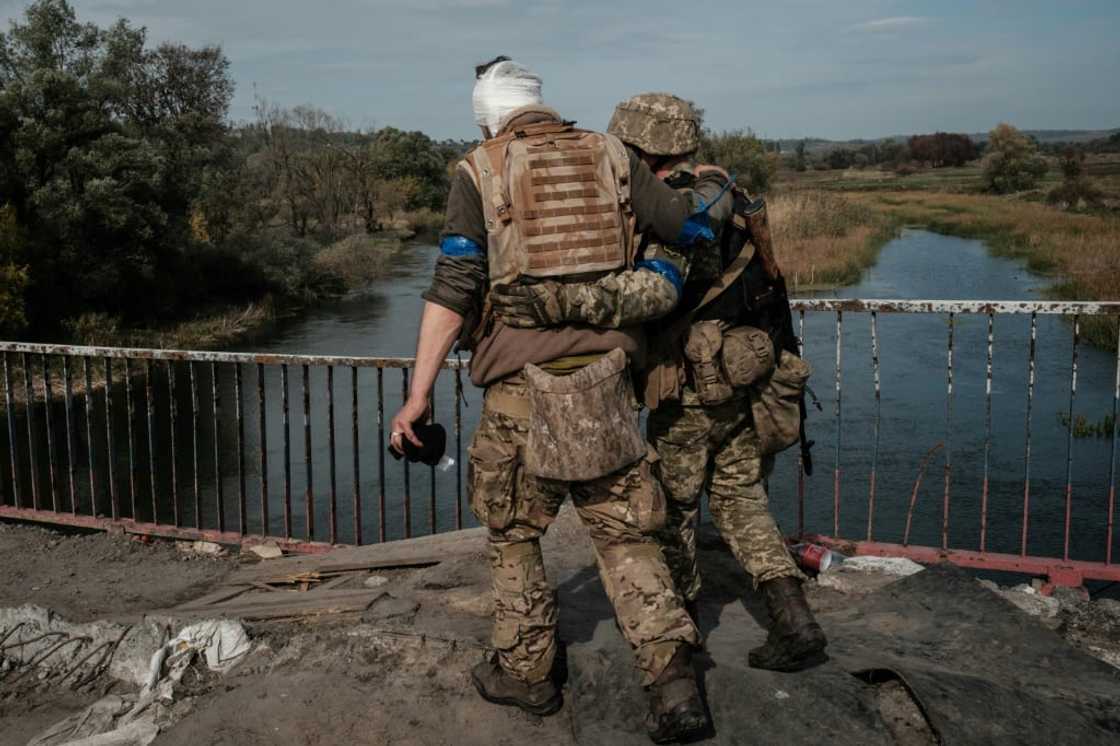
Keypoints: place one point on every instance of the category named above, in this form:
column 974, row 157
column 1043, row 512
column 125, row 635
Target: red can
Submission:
column 813, row 557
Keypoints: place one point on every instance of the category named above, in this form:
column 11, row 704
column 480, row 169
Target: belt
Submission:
column 499, row 402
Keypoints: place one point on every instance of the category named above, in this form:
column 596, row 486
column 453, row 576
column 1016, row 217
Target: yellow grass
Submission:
column 823, row 239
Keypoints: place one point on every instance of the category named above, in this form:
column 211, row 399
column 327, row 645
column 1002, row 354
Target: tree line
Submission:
column 124, row 189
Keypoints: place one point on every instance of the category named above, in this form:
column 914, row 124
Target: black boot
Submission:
column 795, row 640
column 497, row 686
column 676, row 711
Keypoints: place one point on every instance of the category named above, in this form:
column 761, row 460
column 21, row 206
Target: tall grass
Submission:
column 823, row 239
column 1083, row 250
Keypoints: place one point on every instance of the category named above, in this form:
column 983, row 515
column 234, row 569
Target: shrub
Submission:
column 1012, row 163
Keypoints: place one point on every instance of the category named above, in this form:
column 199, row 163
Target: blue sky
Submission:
column 794, row 68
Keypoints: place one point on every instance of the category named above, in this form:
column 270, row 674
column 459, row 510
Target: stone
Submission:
column 204, row 548
column 375, row 581
column 1025, row 597
column 1070, row 598
column 268, row 550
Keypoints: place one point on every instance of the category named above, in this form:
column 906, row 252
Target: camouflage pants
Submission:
column 518, row 509
column 715, row 448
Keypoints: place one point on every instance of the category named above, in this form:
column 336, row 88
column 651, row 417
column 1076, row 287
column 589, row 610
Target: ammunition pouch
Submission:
column 776, row 404
column 747, row 355
column 583, row 425
column 702, row 350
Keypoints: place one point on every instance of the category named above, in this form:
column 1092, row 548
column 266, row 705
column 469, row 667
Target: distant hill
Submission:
column 822, row 145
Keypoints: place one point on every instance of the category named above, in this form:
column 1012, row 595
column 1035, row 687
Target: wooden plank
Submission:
column 292, row 599
column 336, row 582
column 223, row 593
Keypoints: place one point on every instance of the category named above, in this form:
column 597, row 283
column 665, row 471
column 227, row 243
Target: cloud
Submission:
column 894, row 23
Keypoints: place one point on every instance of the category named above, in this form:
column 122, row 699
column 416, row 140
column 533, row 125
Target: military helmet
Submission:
column 658, row 123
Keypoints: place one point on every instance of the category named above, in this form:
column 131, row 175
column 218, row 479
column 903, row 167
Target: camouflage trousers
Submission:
column 716, row 449
column 518, row 509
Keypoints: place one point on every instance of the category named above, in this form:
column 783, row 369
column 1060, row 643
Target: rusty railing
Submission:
column 55, row 475
column 120, row 452
column 1058, row 566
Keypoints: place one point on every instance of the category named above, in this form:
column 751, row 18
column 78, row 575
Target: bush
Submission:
column 1012, row 163
column 742, row 154
column 1076, row 190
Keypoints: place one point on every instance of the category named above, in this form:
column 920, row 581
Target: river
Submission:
column 383, row 320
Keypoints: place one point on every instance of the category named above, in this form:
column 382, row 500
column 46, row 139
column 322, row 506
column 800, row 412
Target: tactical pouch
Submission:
column 702, row 350
column 584, row 425
column 776, row 404
column 748, row 355
column 647, row 498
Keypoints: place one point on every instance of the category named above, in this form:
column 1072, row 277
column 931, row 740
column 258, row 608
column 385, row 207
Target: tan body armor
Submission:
column 556, row 201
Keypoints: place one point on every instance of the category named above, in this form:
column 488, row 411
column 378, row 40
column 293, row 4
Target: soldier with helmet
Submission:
column 540, row 205
column 708, row 357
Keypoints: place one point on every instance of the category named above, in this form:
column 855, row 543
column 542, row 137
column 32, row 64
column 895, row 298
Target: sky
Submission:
column 795, row 68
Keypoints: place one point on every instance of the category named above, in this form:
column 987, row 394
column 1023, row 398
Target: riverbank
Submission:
column 1082, row 251
column 823, row 239
column 347, row 265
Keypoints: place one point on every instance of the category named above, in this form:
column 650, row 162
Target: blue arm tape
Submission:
column 695, row 228
column 705, row 206
column 460, row 247
column 665, row 269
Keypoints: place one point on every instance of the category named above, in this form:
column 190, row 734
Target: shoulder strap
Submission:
column 729, row 276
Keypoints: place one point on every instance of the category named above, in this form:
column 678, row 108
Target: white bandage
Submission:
column 503, row 88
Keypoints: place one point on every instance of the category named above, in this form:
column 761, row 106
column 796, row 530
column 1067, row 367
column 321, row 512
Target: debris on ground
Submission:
column 862, row 574
column 928, row 657
column 39, row 651
column 86, row 576
column 204, row 548
column 266, row 551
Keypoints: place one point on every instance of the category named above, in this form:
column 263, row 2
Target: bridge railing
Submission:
column 185, row 444
column 1059, row 567
column 177, row 444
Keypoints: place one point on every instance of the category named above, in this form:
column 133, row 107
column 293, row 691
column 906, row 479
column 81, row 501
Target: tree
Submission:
column 943, row 149
column 1076, row 189
column 103, row 147
column 742, row 154
column 799, row 162
column 13, row 274
column 1012, row 163
column 840, row 158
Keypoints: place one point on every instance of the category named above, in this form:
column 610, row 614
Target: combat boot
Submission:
column 795, row 640
column 676, row 711
column 497, row 686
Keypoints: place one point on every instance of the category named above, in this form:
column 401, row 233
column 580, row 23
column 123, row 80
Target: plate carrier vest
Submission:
column 556, row 200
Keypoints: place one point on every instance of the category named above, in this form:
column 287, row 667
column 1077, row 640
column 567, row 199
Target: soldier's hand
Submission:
column 528, row 306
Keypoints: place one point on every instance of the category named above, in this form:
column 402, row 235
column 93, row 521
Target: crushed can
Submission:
column 815, row 557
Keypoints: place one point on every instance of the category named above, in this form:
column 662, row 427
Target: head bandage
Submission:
column 503, row 88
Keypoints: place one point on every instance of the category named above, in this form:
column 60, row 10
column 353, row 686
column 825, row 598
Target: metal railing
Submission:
column 1059, row 567
column 56, row 475
column 79, row 457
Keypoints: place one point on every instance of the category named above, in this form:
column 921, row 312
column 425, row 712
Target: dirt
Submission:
column 399, row 672
column 87, row 576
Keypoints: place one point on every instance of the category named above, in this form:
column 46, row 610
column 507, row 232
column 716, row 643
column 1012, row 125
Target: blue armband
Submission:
column 695, row 228
column 460, row 247
column 666, row 269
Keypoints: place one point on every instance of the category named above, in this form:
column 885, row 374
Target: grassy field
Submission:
column 1080, row 250
column 823, row 239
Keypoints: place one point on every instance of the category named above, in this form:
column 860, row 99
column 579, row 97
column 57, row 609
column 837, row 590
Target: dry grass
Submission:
column 824, row 239
column 1081, row 249
column 358, row 260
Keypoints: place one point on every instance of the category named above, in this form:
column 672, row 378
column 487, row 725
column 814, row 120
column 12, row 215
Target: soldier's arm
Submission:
column 459, row 281
column 458, row 284
column 623, row 299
